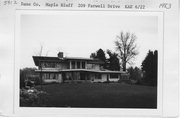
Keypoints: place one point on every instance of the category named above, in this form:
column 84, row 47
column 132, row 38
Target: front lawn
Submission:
column 98, row 95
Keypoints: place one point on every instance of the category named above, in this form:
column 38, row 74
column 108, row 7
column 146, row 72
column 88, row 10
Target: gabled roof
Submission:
column 37, row 59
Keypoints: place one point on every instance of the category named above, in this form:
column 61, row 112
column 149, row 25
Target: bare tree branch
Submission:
column 41, row 49
column 125, row 45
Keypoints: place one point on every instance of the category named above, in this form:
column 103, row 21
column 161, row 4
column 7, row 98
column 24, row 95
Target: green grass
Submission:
column 99, row 95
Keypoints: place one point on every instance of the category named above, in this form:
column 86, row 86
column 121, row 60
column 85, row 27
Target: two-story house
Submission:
column 71, row 69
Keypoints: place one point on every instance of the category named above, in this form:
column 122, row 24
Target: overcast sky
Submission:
column 78, row 34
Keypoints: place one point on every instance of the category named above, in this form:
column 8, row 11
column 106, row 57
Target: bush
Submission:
column 125, row 81
column 30, row 97
column 106, row 82
column 135, row 75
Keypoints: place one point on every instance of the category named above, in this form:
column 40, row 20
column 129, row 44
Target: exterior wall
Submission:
column 93, row 66
column 54, row 65
column 75, row 76
column 96, row 67
column 69, row 65
column 103, row 78
column 62, row 66
column 77, row 64
column 50, row 81
column 92, row 77
column 114, row 79
column 89, row 66
column 51, row 77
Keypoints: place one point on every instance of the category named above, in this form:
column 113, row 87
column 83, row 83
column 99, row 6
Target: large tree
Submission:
column 149, row 67
column 126, row 46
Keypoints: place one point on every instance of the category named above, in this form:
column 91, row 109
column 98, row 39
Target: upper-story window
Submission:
column 48, row 65
column 73, row 64
column 78, row 65
column 83, row 65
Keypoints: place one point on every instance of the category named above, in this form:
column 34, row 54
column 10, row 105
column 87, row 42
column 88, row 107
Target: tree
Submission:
column 155, row 67
column 26, row 74
column 93, row 56
column 40, row 52
column 135, row 74
column 149, row 67
column 125, row 45
column 99, row 55
column 113, row 61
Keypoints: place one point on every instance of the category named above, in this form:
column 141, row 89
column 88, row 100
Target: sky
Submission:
column 78, row 34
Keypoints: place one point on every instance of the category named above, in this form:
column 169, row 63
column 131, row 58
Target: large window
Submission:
column 113, row 75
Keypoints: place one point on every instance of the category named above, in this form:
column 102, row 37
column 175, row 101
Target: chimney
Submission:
column 60, row 54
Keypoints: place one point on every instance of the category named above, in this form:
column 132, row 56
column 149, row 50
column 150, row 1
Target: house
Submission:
column 73, row 69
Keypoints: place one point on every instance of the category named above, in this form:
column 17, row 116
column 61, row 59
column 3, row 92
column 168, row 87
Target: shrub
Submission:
column 30, row 97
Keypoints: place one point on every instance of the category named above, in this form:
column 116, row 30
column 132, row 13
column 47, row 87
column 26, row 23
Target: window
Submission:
column 48, row 64
column 98, row 76
column 58, row 65
column 73, row 65
column 113, row 75
column 45, row 76
column 83, row 65
column 52, row 76
column 78, row 65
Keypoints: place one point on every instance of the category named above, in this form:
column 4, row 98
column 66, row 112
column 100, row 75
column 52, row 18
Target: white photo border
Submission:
column 41, row 111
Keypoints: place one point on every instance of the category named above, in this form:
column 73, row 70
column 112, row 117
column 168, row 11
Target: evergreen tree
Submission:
column 99, row 55
column 113, row 61
column 135, row 74
column 149, row 67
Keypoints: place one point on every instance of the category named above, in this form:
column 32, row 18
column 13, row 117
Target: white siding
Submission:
column 103, row 78
column 51, row 77
column 93, row 66
column 50, row 81
column 62, row 66
column 113, row 79
column 96, row 67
